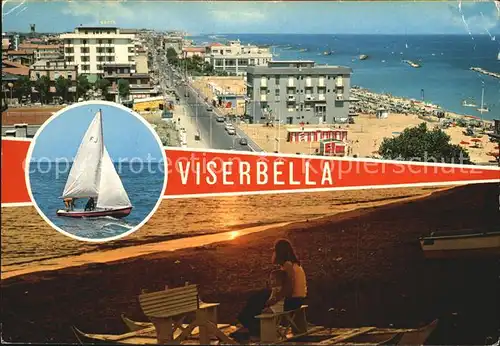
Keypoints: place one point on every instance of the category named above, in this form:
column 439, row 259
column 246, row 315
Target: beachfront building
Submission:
column 235, row 58
column 294, row 92
column 90, row 48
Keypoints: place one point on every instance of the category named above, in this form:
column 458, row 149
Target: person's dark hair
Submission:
column 283, row 252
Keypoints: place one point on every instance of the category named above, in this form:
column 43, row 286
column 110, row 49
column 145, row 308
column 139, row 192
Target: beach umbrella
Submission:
column 464, row 143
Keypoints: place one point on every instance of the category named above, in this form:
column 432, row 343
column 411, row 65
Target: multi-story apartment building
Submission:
column 298, row 92
column 139, row 83
column 90, row 48
column 43, row 51
column 54, row 69
column 235, row 58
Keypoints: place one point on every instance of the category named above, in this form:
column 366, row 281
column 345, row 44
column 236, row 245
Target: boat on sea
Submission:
column 93, row 175
column 363, row 57
column 461, row 244
column 303, row 50
column 466, row 103
column 145, row 333
column 412, row 64
column 328, row 52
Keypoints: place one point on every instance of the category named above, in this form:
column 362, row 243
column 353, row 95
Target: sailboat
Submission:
column 93, row 174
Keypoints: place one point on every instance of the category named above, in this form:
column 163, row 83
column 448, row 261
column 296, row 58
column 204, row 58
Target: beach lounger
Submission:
column 168, row 309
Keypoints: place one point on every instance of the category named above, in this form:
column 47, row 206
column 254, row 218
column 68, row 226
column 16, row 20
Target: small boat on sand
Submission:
column 93, row 175
column 461, row 244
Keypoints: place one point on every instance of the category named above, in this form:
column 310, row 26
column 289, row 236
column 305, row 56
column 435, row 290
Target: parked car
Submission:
column 220, row 119
column 209, row 109
column 229, row 127
column 243, row 141
column 231, row 131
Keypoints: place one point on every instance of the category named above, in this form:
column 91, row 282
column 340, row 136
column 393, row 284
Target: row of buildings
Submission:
column 231, row 57
column 96, row 52
column 289, row 91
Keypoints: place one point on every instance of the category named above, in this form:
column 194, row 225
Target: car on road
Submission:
column 209, row 109
column 229, row 127
column 231, row 131
column 220, row 119
column 243, row 141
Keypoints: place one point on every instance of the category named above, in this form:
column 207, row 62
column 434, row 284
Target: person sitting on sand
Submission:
column 90, row 204
column 294, row 292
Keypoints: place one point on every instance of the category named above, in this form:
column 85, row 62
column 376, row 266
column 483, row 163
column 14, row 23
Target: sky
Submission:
column 125, row 136
column 306, row 17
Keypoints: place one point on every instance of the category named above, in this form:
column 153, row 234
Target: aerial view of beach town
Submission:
column 379, row 80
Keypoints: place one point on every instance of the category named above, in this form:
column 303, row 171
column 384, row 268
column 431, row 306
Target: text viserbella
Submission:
column 262, row 172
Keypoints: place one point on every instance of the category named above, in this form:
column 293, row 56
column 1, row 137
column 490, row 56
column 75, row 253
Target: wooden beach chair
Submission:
column 168, row 309
column 275, row 327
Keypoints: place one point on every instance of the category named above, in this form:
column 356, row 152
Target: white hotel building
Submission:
column 234, row 58
column 90, row 48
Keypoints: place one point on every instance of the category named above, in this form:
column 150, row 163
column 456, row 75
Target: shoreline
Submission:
column 365, row 263
column 182, row 242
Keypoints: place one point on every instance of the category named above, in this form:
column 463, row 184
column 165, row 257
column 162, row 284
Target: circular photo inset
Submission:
column 96, row 171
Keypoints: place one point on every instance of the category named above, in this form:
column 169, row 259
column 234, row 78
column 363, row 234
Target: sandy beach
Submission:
column 365, row 263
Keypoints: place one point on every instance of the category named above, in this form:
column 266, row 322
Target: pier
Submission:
column 485, row 72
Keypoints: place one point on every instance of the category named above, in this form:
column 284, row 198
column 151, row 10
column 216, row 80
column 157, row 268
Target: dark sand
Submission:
column 367, row 264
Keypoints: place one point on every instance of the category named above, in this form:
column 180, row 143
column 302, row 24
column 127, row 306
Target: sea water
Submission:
column 144, row 187
column 444, row 75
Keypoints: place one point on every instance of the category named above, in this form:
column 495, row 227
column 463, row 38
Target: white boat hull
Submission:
column 466, row 245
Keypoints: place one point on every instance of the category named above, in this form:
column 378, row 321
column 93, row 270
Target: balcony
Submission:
column 263, row 98
column 321, row 82
column 309, row 98
column 321, row 97
column 291, row 98
column 263, row 82
column 339, row 97
column 308, row 83
column 339, row 82
column 291, row 83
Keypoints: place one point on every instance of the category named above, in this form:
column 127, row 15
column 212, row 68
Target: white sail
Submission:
column 84, row 176
column 112, row 194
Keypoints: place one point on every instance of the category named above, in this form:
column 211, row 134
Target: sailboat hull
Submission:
column 116, row 213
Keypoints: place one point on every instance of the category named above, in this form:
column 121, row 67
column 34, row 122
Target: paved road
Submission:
column 212, row 132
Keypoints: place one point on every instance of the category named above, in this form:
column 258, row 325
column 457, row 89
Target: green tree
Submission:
column 103, row 84
column 62, row 87
column 22, row 87
column 172, row 56
column 123, row 88
column 420, row 144
column 42, row 85
column 82, row 86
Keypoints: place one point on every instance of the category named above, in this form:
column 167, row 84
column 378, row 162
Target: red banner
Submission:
column 201, row 173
